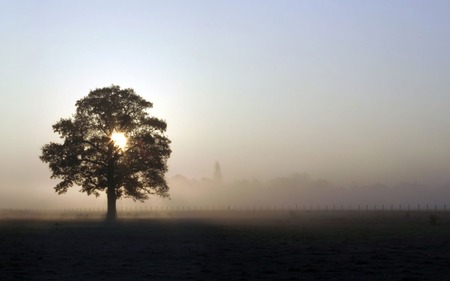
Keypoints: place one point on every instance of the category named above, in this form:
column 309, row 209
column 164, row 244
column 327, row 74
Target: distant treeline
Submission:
column 302, row 190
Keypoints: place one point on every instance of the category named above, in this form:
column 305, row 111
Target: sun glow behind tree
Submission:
column 119, row 140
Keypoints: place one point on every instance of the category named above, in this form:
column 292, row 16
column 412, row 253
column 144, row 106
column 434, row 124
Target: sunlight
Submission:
column 119, row 140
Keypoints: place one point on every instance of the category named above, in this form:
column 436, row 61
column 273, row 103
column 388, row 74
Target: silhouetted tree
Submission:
column 111, row 144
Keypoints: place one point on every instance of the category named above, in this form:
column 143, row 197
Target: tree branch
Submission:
column 94, row 162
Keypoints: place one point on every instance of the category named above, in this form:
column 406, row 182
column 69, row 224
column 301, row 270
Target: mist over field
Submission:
column 295, row 191
column 302, row 191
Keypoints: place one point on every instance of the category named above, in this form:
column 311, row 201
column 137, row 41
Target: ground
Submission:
column 281, row 245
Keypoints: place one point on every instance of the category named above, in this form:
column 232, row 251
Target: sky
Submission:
column 354, row 92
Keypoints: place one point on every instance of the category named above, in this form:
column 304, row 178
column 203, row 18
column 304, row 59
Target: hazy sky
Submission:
column 350, row 91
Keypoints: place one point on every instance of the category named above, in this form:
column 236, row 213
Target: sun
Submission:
column 119, row 140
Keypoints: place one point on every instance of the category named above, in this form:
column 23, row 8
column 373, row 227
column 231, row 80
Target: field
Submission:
column 229, row 245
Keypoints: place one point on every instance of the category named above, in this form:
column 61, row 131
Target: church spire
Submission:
column 217, row 173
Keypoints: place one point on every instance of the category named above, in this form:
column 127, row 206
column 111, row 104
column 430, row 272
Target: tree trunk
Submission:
column 111, row 214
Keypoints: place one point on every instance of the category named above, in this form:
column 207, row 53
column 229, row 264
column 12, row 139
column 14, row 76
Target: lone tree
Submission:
column 111, row 144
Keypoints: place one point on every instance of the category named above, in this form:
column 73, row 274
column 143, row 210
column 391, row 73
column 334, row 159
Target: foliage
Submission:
column 90, row 159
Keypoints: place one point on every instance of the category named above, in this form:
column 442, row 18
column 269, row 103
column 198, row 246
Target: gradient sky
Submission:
column 349, row 91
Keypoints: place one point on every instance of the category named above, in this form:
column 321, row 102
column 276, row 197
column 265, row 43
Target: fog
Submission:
column 302, row 191
column 218, row 191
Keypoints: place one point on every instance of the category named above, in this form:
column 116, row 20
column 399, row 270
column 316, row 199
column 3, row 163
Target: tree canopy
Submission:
column 93, row 159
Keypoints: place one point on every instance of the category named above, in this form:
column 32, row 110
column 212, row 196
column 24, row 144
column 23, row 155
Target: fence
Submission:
column 159, row 211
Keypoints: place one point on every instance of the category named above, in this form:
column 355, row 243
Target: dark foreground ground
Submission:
column 282, row 246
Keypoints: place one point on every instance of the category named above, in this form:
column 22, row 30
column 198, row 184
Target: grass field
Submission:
column 281, row 245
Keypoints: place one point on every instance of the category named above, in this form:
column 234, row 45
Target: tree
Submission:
column 111, row 144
